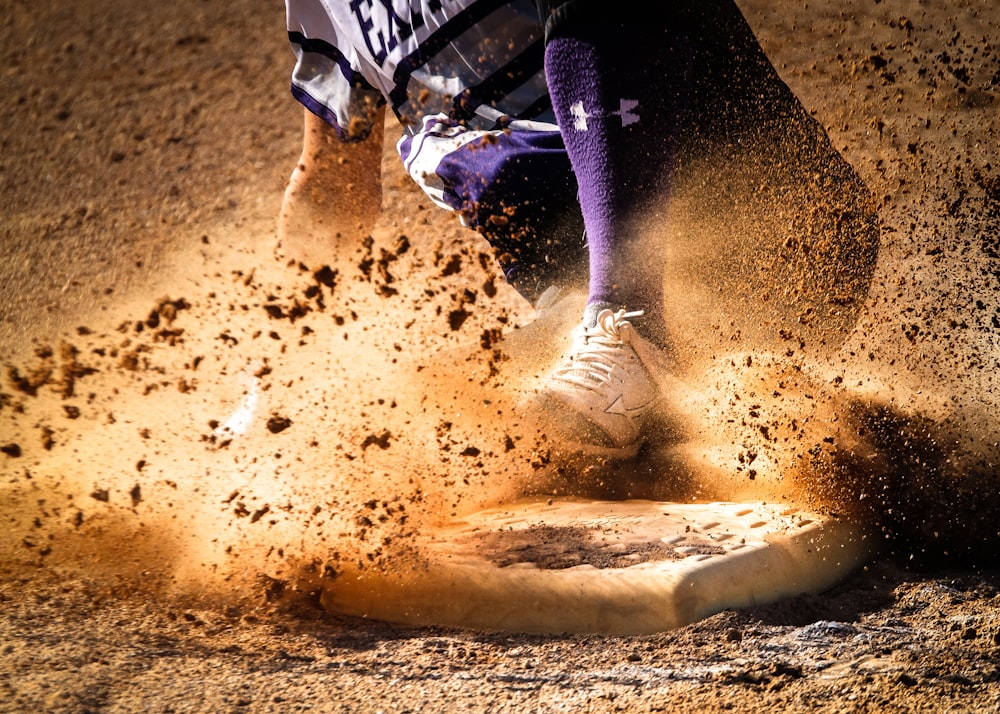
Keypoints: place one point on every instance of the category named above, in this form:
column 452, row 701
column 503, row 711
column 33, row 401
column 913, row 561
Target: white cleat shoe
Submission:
column 600, row 396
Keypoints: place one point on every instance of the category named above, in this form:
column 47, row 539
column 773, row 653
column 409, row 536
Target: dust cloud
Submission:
column 275, row 420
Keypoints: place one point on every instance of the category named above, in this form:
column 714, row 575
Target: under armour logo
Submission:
column 626, row 112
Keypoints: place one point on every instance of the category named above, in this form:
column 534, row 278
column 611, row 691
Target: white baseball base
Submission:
column 617, row 568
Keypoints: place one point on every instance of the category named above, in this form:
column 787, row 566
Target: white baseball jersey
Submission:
column 475, row 61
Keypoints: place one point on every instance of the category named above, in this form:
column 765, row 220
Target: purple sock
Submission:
column 619, row 94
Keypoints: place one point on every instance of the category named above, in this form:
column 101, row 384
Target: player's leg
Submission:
column 619, row 90
column 334, row 194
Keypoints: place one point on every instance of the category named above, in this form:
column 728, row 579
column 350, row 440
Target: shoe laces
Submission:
column 597, row 351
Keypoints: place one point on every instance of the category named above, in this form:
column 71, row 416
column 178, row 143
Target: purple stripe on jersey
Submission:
column 537, row 108
column 505, row 80
column 324, row 113
column 320, row 47
column 441, row 39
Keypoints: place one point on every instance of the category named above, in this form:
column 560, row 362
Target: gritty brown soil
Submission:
column 194, row 433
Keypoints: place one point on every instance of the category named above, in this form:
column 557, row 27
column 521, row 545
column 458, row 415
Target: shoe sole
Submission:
column 614, row 568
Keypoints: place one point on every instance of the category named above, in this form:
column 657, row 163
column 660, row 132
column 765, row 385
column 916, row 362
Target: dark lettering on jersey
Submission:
column 381, row 40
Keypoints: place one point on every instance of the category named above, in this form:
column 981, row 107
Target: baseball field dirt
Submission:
column 197, row 435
